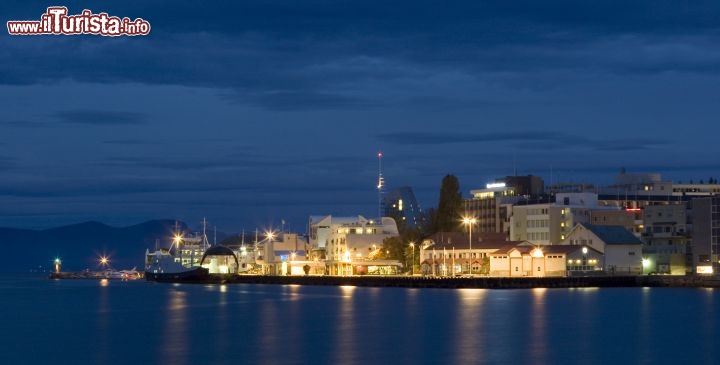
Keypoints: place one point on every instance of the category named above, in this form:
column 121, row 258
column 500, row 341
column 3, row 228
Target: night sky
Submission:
column 251, row 112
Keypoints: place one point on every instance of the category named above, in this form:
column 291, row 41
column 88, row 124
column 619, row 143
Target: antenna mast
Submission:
column 380, row 185
column 204, row 235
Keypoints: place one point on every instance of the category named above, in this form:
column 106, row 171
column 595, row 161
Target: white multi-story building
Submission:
column 351, row 245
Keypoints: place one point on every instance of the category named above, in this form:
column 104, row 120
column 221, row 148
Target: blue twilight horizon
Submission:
column 253, row 112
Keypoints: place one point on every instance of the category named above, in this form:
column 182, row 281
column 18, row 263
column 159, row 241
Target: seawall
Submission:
column 475, row 282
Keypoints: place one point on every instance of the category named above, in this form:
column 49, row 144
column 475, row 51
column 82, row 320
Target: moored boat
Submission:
column 165, row 268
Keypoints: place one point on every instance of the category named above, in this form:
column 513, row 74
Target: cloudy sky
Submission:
column 255, row 111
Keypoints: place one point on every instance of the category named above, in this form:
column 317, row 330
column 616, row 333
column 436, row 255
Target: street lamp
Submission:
column 269, row 250
column 412, row 261
column 104, row 262
column 469, row 221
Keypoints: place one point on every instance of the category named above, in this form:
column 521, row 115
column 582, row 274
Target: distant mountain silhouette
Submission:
column 80, row 245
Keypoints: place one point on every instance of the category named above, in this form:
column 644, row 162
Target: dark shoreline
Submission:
column 475, row 282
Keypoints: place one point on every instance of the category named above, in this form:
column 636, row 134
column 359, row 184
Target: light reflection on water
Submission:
column 538, row 323
column 139, row 322
column 469, row 326
column 103, row 318
column 344, row 335
column 175, row 341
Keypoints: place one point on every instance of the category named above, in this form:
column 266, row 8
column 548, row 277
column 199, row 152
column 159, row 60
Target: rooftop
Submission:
column 612, row 235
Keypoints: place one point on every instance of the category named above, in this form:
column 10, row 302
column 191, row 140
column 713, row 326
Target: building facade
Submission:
column 665, row 236
column 550, row 223
column 544, row 261
column 450, row 253
column 622, row 251
column 351, row 245
column 400, row 204
column 492, row 205
column 703, row 249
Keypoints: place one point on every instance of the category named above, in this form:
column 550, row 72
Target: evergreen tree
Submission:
column 448, row 210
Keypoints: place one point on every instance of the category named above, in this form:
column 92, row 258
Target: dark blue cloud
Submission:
column 289, row 100
column 312, row 55
column 529, row 140
column 99, row 117
column 7, row 163
column 25, row 124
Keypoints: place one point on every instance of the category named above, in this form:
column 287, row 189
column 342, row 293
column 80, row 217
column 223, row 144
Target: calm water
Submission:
column 89, row 322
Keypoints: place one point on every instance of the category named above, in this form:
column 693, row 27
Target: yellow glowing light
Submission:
column 104, row 260
column 177, row 238
column 270, row 235
column 469, row 220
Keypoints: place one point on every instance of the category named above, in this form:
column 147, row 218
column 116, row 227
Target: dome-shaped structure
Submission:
column 220, row 260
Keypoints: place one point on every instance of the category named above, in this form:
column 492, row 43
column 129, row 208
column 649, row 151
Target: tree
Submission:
column 449, row 203
column 393, row 248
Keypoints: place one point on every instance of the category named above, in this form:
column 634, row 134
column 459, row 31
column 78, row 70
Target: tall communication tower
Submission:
column 380, row 185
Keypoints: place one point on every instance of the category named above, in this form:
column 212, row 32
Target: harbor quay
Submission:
column 461, row 282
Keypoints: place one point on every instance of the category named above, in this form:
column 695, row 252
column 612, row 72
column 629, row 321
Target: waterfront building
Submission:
column 287, row 254
column 665, row 237
column 550, row 223
column 704, row 251
column 524, row 260
column 622, row 251
column 450, row 253
column 351, row 245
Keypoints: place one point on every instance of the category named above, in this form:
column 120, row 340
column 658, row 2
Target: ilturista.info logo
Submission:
column 57, row 21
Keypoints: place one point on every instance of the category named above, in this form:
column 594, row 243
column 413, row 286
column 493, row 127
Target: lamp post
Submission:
column 412, row 260
column 470, row 221
column 269, row 250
